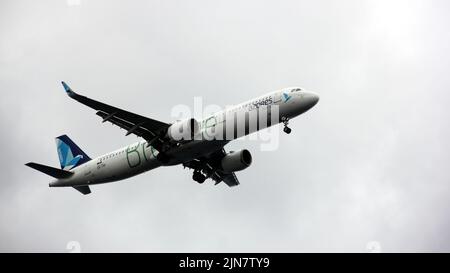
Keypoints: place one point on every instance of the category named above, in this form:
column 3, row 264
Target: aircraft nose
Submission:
column 311, row 99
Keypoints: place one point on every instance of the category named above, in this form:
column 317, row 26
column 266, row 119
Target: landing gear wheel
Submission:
column 199, row 177
column 286, row 129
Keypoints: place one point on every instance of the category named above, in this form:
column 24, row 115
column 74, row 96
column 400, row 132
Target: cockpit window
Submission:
column 296, row 90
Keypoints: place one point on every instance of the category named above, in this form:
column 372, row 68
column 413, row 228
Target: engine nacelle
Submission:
column 236, row 161
column 183, row 130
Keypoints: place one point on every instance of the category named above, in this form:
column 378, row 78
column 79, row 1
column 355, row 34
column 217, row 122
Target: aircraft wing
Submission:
column 230, row 179
column 209, row 165
column 147, row 128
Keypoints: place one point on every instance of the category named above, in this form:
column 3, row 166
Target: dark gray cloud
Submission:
column 368, row 163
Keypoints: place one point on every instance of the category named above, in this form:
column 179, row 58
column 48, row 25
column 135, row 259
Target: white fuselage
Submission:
column 138, row 158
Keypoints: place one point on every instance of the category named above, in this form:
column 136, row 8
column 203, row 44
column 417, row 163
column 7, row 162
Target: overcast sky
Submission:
column 369, row 163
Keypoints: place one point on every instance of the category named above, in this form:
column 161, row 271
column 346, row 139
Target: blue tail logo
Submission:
column 70, row 155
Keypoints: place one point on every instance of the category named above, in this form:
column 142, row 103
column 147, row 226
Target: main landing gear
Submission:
column 199, row 177
column 286, row 129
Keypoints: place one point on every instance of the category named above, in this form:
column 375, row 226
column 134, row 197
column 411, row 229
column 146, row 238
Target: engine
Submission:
column 236, row 161
column 183, row 130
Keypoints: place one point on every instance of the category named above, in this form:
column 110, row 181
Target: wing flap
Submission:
column 124, row 124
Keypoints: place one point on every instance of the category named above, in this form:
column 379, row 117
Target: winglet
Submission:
column 69, row 90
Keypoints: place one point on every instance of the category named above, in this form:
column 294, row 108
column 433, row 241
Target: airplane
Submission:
column 183, row 142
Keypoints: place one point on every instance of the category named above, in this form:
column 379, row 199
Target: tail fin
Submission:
column 56, row 173
column 70, row 155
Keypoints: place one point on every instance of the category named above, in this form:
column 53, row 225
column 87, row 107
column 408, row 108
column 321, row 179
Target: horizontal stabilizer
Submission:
column 56, row 173
column 83, row 189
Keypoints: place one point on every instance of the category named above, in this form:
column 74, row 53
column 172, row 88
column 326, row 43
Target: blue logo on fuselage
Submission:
column 286, row 97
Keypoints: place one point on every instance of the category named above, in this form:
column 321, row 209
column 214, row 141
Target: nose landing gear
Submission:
column 286, row 129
